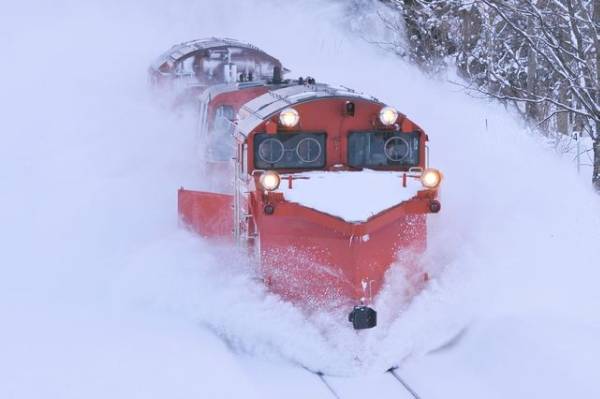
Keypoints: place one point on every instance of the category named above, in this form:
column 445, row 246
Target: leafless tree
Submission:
column 543, row 56
column 562, row 38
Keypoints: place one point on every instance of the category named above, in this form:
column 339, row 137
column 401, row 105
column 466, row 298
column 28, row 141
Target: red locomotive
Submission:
column 326, row 187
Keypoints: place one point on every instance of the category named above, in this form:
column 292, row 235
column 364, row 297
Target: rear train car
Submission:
column 189, row 68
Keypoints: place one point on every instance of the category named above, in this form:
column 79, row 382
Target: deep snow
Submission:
column 103, row 295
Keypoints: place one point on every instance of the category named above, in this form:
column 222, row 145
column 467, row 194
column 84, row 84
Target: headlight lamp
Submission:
column 431, row 178
column 270, row 180
column 289, row 117
column 388, row 116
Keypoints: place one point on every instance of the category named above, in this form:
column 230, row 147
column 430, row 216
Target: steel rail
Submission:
column 410, row 390
column 327, row 384
column 393, row 372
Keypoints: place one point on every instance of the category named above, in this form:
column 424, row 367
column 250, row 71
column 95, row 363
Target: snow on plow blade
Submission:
column 312, row 257
column 315, row 259
column 208, row 214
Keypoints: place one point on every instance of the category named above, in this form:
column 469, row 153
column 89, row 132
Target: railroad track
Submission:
column 394, row 372
column 389, row 384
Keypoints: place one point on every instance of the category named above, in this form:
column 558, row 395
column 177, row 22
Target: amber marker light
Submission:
column 388, row 116
column 431, row 178
column 289, row 117
column 270, row 180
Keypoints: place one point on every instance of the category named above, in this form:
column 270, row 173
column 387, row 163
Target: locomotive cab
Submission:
column 328, row 187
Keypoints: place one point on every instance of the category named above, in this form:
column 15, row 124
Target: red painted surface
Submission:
column 208, row 214
column 234, row 98
column 305, row 255
column 310, row 256
column 325, row 115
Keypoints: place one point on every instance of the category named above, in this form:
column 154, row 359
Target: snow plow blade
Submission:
column 208, row 214
column 312, row 257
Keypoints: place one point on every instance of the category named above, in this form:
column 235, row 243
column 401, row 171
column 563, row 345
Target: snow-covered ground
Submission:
column 102, row 295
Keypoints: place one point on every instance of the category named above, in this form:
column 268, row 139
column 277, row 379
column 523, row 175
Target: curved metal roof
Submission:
column 214, row 90
column 184, row 49
column 257, row 110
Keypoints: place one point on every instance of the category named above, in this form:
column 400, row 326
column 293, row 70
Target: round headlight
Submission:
column 388, row 116
column 289, row 117
column 270, row 180
column 431, row 178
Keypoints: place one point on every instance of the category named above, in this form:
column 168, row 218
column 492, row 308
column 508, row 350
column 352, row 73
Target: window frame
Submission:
column 259, row 163
column 394, row 165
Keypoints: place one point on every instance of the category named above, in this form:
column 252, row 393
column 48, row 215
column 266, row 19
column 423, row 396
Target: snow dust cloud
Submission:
column 102, row 289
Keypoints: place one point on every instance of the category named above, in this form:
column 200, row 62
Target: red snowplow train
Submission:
column 325, row 185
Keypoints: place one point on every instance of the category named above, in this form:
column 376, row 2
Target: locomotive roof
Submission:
column 181, row 50
column 262, row 107
column 212, row 91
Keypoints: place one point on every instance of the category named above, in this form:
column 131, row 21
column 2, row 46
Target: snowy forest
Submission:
column 541, row 57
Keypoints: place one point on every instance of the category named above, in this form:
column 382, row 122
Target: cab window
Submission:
column 383, row 149
column 289, row 151
column 221, row 140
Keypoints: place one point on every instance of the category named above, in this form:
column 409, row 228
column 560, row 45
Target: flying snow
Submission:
column 104, row 295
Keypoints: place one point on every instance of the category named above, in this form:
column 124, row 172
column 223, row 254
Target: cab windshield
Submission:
column 383, row 149
column 289, row 151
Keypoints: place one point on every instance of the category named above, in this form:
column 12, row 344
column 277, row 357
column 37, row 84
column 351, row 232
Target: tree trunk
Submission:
column 531, row 108
column 562, row 118
column 596, row 175
column 596, row 19
column 596, row 137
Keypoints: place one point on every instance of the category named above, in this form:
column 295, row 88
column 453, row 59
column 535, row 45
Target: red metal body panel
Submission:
column 235, row 99
column 208, row 214
column 325, row 115
column 307, row 256
column 314, row 258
